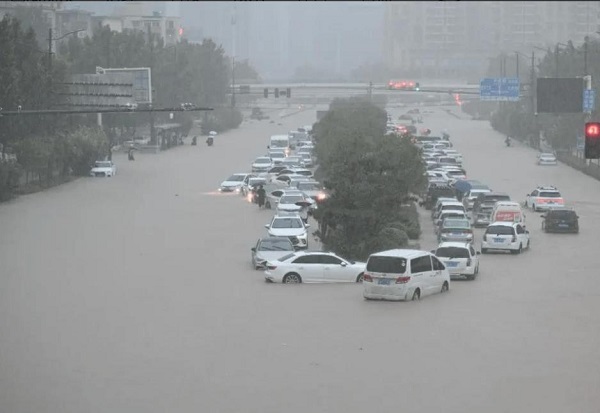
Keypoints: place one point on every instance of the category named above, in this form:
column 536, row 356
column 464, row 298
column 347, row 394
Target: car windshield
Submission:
column 291, row 199
column 495, row 198
column 103, row 164
column 287, row 223
column 256, row 181
column 262, row 160
column 286, row 257
column 558, row 214
column 549, row 195
column 283, row 244
column 452, row 252
column 304, row 186
column 236, row 178
column 388, row 265
column 457, row 223
column 277, row 155
column 499, row 230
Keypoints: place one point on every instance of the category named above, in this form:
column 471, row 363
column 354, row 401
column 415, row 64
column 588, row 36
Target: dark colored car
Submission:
column 560, row 220
column 437, row 191
column 488, row 198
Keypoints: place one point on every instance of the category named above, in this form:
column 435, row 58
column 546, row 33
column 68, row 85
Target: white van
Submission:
column 506, row 211
column 398, row 275
column 280, row 142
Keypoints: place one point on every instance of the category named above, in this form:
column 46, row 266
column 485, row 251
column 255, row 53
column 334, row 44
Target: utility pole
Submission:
column 233, row 34
column 153, row 137
column 556, row 57
column 532, row 86
column 585, row 55
column 50, row 50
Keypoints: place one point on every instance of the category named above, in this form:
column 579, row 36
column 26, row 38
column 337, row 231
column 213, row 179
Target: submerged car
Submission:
column 560, row 220
column 270, row 249
column 460, row 258
column 103, row 168
column 235, row 182
column 547, row 159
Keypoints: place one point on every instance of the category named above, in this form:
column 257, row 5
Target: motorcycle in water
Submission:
column 209, row 141
column 194, row 140
column 130, row 155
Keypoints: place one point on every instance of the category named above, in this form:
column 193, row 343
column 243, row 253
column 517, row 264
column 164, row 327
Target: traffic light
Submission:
column 288, row 92
column 592, row 140
column 266, row 92
column 417, row 86
column 276, row 92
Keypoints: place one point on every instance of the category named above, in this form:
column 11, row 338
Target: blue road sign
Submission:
column 502, row 89
column 589, row 100
column 580, row 143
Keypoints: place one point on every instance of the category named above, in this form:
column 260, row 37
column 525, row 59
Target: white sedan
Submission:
column 313, row 267
column 103, row 168
column 547, row 159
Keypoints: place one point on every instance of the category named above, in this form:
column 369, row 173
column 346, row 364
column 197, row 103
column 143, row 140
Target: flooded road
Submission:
column 136, row 294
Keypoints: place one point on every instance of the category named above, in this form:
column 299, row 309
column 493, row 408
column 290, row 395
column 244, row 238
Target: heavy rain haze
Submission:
column 298, row 207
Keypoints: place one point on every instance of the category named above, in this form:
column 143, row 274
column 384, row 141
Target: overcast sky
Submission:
column 279, row 37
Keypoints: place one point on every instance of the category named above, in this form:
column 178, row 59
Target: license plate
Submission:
column 563, row 225
column 451, row 264
column 384, row 281
column 499, row 240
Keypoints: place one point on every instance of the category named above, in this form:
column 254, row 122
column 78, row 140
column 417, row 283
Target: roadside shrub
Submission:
column 10, row 173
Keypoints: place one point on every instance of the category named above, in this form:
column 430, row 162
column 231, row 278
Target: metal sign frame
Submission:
column 142, row 81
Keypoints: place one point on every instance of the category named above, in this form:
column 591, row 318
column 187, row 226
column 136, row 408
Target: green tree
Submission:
column 371, row 176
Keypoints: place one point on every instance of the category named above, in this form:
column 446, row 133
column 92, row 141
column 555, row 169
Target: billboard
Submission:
column 97, row 90
column 560, row 95
column 142, row 81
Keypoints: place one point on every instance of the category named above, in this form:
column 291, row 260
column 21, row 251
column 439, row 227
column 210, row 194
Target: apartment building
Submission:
column 457, row 38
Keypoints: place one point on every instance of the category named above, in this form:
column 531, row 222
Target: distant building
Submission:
column 71, row 20
column 454, row 39
column 48, row 7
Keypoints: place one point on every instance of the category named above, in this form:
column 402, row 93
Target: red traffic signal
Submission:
column 592, row 130
column 592, row 140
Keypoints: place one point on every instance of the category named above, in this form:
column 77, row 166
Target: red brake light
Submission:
column 367, row 278
column 514, row 238
column 469, row 262
column 485, row 237
column 402, row 280
column 271, row 267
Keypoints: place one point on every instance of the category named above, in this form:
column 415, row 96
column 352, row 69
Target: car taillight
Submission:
column 367, row 278
column 469, row 262
column 514, row 238
column 485, row 237
column 271, row 267
column 402, row 280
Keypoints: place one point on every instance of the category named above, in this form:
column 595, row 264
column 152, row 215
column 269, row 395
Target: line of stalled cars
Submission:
column 459, row 204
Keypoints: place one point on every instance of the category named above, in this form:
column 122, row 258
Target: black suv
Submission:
column 437, row 191
column 560, row 220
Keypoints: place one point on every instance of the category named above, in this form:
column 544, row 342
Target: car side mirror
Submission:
column 253, row 249
column 478, row 252
column 527, row 232
column 343, row 264
column 267, row 226
column 307, row 226
column 543, row 216
column 433, row 251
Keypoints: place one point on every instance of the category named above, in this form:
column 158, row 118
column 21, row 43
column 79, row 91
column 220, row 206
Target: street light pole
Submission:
column 585, row 55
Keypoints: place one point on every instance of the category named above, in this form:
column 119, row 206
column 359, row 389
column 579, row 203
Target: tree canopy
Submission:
column 371, row 178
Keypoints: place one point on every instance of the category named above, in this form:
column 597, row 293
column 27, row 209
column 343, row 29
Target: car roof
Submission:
column 492, row 193
column 400, row 253
column 285, row 214
column 547, row 188
column 454, row 244
column 453, row 202
column 503, row 224
column 507, row 203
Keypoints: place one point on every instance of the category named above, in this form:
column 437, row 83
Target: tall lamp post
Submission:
column 50, row 40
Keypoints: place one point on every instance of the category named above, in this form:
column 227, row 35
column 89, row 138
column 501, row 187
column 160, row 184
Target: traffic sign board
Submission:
column 580, row 143
column 502, row 89
column 589, row 100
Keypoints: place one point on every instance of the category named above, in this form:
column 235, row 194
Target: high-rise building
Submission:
column 455, row 39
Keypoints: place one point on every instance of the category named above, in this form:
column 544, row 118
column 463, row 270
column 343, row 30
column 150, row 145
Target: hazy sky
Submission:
column 279, row 37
